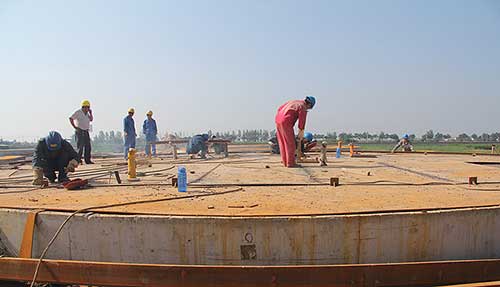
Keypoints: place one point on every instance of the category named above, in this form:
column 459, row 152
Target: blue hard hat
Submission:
column 53, row 140
column 311, row 100
column 308, row 136
column 406, row 136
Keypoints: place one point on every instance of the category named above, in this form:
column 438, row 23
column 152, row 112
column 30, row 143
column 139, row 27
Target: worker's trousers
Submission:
column 83, row 145
column 286, row 141
column 57, row 164
column 149, row 146
column 129, row 143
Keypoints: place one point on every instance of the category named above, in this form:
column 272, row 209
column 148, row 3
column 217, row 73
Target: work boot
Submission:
column 89, row 162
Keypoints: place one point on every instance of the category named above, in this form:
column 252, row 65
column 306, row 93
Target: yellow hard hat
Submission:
column 150, row 113
column 131, row 110
column 85, row 103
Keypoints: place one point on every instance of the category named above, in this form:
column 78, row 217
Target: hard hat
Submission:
column 150, row 113
column 406, row 136
column 85, row 103
column 131, row 110
column 311, row 100
column 324, row 143
column 53, row 141
column 308, row 136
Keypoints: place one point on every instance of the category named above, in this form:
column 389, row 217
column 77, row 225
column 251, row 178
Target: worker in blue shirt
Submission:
column 129, row 132
column 150, row 130
column 197, row 145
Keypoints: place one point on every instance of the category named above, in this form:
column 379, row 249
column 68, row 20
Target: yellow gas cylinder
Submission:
column 132, row 166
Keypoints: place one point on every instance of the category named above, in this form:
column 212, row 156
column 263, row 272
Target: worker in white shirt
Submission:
column 80, row 120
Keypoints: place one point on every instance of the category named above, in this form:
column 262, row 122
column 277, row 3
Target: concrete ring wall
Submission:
column 299, row 240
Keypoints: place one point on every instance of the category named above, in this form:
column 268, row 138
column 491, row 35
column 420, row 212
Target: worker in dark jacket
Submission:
column 53, row 154
column 197, row 145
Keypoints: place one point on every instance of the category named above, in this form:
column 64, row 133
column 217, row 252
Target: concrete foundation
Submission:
column 342, row 239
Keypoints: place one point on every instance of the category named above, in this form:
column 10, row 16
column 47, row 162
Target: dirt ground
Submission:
column 384, row 182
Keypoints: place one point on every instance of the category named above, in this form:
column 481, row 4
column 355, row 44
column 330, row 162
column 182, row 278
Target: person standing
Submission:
column 80, row 120
column 150, row 130
column 285, row 119
column 129, row 132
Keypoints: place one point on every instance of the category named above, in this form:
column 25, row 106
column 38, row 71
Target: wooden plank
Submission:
column 122, row 274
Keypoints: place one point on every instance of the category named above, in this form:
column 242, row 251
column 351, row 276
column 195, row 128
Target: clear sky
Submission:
column 393, row 66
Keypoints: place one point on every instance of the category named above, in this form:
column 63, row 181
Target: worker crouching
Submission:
column 404, row 143
column 197, row 145
column 53, row 154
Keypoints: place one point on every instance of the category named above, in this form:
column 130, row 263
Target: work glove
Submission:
column 72, row 165
column 37, row 176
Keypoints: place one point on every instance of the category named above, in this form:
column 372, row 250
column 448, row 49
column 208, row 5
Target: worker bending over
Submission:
column 150, row 130
column 53, row 154
column 129, row 134
column 285, row 119
column 80, row 120
column 197, row 145
column 404, row 143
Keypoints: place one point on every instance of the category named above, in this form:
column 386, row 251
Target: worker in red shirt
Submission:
column 285, row 119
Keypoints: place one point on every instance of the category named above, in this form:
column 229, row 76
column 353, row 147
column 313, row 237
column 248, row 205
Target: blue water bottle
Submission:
column 181, row 179
column 337, row 155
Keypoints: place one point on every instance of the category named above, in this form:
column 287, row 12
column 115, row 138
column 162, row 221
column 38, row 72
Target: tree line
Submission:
column 262, row 136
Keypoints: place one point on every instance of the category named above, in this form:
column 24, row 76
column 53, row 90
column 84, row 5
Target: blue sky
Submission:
column 393, row 66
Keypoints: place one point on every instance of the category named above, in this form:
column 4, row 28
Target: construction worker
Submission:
column 53, row 154
column 129, row 134
column 150, row 130
column 275, row 147
column 218, row 147
column 285, row 119
column 404, row 143
column 80, row 120
column 306, row 145
column 197, row 145
column 308, row 142
column 323, row 150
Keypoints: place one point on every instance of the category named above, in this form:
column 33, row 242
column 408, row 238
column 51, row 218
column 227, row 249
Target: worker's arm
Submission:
column 145, row 127
column 125, row 127
column 91, row 116
column 302, row 118
column 72, row 122
column 39, row 157
column 155, row 128
column 395, row 148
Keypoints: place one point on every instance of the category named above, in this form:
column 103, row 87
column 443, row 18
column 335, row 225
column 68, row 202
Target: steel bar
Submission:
column 123, row 274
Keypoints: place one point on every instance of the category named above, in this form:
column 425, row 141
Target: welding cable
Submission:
column 44, row 252
column 20, row 191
